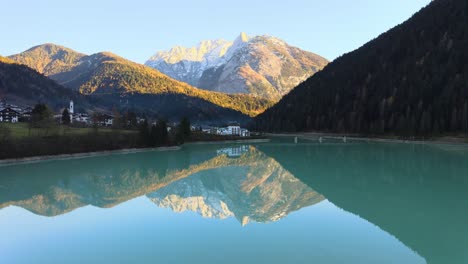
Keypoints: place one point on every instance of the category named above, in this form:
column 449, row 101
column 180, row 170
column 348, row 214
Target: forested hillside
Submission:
column 21, row 84
column 412, row 80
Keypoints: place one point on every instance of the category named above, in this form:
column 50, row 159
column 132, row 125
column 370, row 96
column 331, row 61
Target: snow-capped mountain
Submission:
column 264, row 65
column 188, row 64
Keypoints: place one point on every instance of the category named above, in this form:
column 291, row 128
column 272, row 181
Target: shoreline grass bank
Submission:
column 22, row 140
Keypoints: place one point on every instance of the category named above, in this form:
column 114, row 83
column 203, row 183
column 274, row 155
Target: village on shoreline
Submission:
column 11, row 113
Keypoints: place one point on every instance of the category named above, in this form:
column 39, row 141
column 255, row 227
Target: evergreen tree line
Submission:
column 410, row 81
column 158, row 133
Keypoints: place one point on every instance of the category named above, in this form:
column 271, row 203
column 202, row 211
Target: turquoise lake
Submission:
column 276, row 202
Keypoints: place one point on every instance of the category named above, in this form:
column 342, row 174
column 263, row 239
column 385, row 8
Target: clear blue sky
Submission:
column 136, row 29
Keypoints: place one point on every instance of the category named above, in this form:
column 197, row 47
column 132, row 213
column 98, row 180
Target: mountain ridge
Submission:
column 107, row 73
column 263, row 66
column 48, row 58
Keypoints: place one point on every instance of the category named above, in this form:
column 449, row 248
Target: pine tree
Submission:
column 162, row 136
column 42, row 117
column 145, row 138
column 153, row 136
column 66, row 117
column 117, row 123
column 183, row 130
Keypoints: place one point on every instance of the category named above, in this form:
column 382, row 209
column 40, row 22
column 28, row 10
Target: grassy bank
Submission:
column 20, row 141
column 23, row 130
column 66, row 144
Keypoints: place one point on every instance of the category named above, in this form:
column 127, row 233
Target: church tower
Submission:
column 71, row 110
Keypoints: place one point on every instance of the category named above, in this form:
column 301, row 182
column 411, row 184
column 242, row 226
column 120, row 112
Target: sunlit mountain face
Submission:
column 408, row 198
column 263, row 66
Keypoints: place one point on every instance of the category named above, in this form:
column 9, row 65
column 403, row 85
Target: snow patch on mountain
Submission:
column 263, row 66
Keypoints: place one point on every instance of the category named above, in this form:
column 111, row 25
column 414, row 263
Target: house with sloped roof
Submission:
column 9, row 115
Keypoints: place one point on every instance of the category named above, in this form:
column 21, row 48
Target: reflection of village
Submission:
column 10, row 113
column 233, row 151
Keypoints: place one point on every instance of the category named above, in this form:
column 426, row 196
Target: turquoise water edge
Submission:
column 276, row 202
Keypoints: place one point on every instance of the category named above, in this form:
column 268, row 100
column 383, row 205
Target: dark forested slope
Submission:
column 412, row 80
column 23, row 85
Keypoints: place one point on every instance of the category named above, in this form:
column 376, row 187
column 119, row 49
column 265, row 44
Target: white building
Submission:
column 9, row 115
column 140, row 120
column 234, row 130
column 108, row 120
column 245, row 133
column 222, row 131
column 81, row 118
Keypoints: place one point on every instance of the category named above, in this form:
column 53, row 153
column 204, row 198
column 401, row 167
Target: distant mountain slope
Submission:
column 22, row 85
column 49, row 59
column 173, row 107
column 411, row 80
column 263, row 66
column 6, row 60
column 108, row 74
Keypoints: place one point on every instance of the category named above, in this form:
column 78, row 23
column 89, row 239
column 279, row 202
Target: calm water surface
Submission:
column 264, row 203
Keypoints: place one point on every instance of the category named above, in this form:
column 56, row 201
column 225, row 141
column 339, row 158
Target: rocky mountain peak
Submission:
column 243, row 37
column 205, row 51
column 263, row 66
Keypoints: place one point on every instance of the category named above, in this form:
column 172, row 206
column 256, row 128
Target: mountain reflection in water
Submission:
column 418, row 194
column 251, row 187
column 239, row 182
